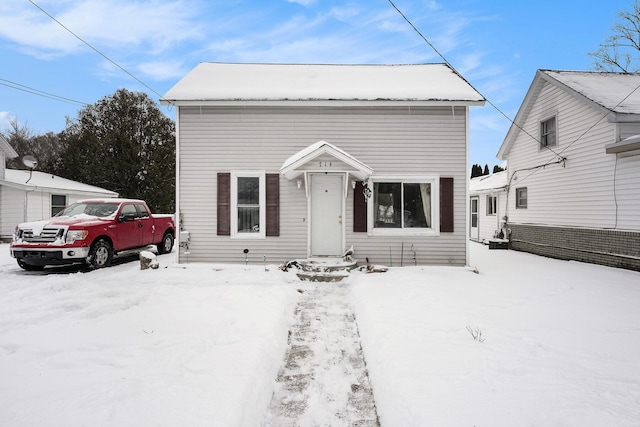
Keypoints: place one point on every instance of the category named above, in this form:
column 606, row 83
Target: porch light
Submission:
column 353, row 184
column 299, row 183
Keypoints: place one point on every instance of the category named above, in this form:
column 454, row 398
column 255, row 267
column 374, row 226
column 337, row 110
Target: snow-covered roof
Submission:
column 45, row 181
column 7, row 148
column 211, row 82
column 615, row 94
column 292, row 167
column 614, row 91
column 494, row 181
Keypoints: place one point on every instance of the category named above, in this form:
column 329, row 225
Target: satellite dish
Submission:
column 30, row 162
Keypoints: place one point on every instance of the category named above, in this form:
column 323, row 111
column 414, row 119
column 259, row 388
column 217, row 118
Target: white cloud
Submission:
column 5, row 119
column 305, row 3
column 153, row 25
column 158, row 70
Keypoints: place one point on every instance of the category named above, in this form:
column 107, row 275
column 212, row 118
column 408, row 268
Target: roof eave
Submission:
column 322, row 102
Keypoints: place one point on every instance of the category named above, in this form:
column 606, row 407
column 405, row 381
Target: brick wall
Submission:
column 606, row 247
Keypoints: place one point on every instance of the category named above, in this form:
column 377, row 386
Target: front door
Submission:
column 326, row 210
column 474, row 226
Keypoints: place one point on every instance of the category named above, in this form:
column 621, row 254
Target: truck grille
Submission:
column 48, row 235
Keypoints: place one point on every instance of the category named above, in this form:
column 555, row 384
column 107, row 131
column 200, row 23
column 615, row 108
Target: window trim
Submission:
column 434, row 230
column 262, row 203
column 492, row 205
column 519, row 204
column 542, row 146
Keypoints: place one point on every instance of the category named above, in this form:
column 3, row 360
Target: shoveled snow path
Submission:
column 324, row 379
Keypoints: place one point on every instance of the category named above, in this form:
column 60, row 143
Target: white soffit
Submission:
column 293, row 166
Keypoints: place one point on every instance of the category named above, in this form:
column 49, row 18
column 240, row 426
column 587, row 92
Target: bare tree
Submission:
column 621, row 51
column 46, row 148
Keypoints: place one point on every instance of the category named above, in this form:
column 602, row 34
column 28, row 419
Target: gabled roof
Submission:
column 7, row 148
column 210, row 83
column 24, row 179
column 614, row 94
column 295, row 165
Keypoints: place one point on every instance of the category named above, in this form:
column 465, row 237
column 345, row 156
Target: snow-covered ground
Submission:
column 202, row 345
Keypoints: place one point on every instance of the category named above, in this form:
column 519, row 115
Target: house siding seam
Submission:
column 578, row 192
column 613, row 248
column 391, row 140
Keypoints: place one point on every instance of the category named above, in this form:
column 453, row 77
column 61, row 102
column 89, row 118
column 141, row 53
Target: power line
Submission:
column 458, row 73
column 95, row 50
column 28, row 89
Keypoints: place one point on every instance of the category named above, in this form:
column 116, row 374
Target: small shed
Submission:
column 487, row 205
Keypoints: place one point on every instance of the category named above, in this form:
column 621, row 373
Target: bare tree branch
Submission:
column 621, row 51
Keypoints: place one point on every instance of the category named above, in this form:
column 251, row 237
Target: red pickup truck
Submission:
column 91, row 232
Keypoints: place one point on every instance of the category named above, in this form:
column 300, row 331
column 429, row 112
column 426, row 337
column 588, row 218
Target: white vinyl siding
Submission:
column 391, row 140
column 580, row 191
column 490, row 224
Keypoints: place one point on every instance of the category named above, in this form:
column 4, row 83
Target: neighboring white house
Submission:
column 574, row 168
column 32, row 195
column 296, row 161
column 487, row 205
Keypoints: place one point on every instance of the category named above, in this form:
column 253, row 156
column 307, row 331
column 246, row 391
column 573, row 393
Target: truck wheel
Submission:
column 101, row 254
column 29, row 267
column 166, row 245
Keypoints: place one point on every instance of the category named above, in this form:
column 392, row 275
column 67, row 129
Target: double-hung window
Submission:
column 248, row 204
column 521, row 198
column 404, row 205
column 492, row 205
column 548, row 132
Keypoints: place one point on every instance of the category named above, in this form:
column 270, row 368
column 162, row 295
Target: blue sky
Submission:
column 497, row 45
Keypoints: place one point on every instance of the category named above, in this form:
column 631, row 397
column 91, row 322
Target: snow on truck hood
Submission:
column 37, row 226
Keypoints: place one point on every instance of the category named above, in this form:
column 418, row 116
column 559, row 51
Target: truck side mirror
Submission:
column 127, row 217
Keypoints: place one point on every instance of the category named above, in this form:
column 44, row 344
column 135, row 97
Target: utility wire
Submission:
column 95, row 50
column 456, row 71
column 28, row 89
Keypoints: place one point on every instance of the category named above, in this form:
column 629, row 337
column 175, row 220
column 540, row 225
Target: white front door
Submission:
column 474, row 225
column 326, row 210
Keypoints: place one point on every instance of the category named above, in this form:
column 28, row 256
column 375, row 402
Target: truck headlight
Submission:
column 73, row 235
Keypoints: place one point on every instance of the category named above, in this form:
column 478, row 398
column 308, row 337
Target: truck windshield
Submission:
column 101, row 210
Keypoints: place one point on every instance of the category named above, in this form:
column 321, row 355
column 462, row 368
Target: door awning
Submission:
column 324, row 157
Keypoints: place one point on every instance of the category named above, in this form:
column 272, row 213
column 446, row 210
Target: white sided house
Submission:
column 487, row 206
column 32, row 195
column 278, row 162
column 574, row 168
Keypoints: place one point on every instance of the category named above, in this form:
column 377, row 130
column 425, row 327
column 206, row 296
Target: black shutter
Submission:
column 224, row 204
column 359, row 209
column 446, row 205
column 273, row 204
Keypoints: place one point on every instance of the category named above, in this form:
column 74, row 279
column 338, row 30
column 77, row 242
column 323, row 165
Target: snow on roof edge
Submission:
column 322, row 82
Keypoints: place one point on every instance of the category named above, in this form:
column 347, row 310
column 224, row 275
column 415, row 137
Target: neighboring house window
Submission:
column 521, row 198
column 405, row 205
column 58, row 203
column 548, row 132
column 248, row 204
column 492, row 205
